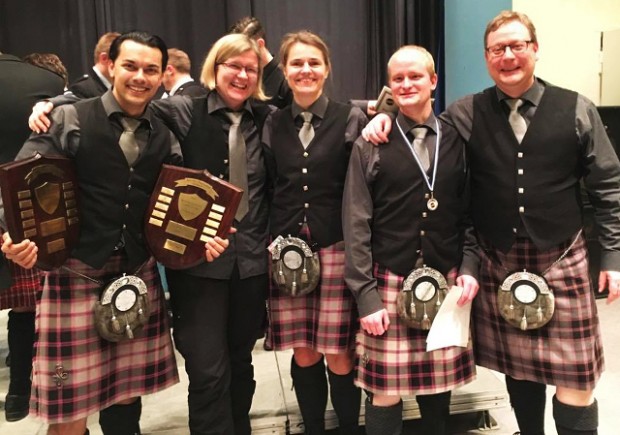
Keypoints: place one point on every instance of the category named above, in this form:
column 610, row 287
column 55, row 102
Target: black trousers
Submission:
column 216, row 324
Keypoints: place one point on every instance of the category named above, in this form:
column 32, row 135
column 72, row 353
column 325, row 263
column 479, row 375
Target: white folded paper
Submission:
column 451, row 324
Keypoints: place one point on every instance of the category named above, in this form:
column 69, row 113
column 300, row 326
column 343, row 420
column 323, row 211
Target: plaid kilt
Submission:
column 23, row 291
column 567, row 351
column 397, row 364
column 324, row 320
column 97, row 373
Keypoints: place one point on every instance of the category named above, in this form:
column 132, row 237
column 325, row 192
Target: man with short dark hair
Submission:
column 76, row 372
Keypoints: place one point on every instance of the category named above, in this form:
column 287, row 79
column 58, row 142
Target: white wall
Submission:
column 569, row 40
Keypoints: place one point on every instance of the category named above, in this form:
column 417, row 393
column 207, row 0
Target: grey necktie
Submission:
column 306, row 133
column 419, row 133
column 238, row 161
column 516, row 120
column 127, row 141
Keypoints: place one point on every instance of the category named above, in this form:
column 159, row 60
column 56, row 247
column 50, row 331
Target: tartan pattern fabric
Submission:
column 396, row 363
column 23, row 291
column 97, row 373
column 567, row 351
column 324, row 320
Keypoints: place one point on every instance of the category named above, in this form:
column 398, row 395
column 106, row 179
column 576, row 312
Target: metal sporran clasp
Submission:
column 525, row 301
column 422, row 294
column 295, row 269
column 123, row 308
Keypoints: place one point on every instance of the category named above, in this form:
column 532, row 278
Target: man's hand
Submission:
column 609, row 279
column 376, row 323
column 470, row 289
column 371, row 108
column 216, row 246
column 38, row 121
column 377, row 129
column 23, row 253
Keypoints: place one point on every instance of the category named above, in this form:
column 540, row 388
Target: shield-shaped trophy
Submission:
column 187, row 208
column 40, row 204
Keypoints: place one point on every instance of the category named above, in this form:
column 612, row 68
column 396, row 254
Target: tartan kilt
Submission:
column 397, row 363
column 567, row 351
column 23, row 290
column 97, row 373
column 324, row 320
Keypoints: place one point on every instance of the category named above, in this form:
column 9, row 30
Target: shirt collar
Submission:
column 407, row 124
column 103, row 78
column 178, row 84
column 112, row 109
column 318, row 108
column 215, row 103
column 533, row 95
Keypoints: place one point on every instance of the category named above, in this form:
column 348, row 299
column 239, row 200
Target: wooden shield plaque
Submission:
column 187, row 208
column 40, row 204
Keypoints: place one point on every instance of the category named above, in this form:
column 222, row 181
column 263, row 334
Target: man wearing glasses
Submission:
column 530, row 146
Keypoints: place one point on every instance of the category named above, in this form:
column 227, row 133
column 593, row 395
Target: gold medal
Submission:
column 432, row 204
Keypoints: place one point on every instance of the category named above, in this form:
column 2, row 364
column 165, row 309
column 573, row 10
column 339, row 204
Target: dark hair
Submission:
column 48, row 61
column 144, row 38
column 250, row 27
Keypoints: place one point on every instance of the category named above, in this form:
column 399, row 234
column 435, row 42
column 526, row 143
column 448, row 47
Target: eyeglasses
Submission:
column 236, row 68
column 517, row 47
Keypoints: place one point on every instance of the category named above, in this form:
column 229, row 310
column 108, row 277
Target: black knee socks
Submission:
column 121, row 419
column 435, row 410
column 346, row 400
column 21, row 346
column 384, row 420
column 575, row 420
column 311, row 390
column 528, row 401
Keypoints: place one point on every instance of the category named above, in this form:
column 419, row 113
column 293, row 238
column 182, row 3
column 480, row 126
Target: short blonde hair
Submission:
column 222, row 50
column 428, row 58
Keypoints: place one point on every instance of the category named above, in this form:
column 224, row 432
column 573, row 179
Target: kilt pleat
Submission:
column 96, row 373
column 324, row 320
column 565, row 352
column 397, row 364
column 23, row 290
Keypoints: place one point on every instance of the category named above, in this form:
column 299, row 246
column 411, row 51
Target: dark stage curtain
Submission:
column 361, row 34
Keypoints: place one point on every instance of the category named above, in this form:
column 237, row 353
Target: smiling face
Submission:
column 512, row 72
column 136, row 75
column 236, row 78
column 305, row 72
column 412, row 83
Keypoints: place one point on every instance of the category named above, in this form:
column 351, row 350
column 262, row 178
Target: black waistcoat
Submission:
column 546, row 166
column 113, row 198
column 206, row 147
column 310, row 181
column 402, row 225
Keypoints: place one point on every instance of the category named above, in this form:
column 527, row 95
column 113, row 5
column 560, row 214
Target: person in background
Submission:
column 177, row 79
column 307, row 146
column 546, row 141
column 97, row 83
column 50, row 62
column 21, row 85
column 391, row 227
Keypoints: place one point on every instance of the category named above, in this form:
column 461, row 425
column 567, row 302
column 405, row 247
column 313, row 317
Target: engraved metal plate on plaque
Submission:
column 188, row 207
column 40, row 204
